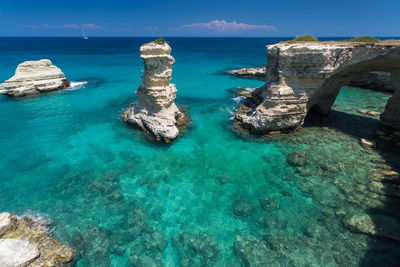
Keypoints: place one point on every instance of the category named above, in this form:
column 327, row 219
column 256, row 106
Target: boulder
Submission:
column 33, row 77
column 155, row 111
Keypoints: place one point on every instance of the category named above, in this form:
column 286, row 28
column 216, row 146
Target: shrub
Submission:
column 363, row 39
column 160, row 41
column 305, row 38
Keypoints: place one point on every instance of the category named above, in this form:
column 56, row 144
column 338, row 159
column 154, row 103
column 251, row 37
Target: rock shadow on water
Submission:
column 381, row 223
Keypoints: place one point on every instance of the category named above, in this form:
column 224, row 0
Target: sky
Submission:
column 204, row 18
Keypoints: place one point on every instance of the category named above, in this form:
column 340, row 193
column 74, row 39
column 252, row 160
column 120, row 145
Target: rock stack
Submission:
column 33, row 77
column 23, row 242
column 155, row 111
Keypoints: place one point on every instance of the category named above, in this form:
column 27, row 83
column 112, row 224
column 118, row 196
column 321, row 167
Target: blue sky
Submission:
column 200, row 18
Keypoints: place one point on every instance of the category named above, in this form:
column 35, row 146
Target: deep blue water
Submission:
column 119, row 199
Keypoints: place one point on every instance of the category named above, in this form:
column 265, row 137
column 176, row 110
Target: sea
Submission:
column 215, row 196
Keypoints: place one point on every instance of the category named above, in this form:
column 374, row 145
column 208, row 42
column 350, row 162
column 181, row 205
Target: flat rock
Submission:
column 33, row 77
column 17, row 252
column 368, row 143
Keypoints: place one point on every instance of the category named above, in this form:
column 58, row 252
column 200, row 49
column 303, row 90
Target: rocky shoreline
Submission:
column 23, row 242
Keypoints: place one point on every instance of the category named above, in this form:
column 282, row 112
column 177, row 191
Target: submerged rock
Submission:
column 297, row 159
column 155, row 111
column 252, row 251
column 242, row 207
column 375, row 224
column 268, row 203
column 33, row 77
column 24, row 243
column 196, row 249
column 147, row 250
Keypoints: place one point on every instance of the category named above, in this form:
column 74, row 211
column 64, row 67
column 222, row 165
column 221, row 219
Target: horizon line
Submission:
column 115, row 36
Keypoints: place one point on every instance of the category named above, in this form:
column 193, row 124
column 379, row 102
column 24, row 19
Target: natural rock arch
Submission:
column 305, row 75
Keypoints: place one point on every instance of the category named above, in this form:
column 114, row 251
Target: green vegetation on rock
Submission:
column 305, row 38
column 160, row 41
column 363, row 39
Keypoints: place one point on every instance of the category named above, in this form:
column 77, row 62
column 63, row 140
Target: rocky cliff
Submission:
column 155, row 111
column 301, row 76
column 23, row 242
column 379, row 81
column 33, row 77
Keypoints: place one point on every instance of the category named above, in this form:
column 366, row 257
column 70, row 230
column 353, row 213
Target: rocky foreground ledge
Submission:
column 33, row 77
column 306, row 75
column 23, row 242
column 155, row 111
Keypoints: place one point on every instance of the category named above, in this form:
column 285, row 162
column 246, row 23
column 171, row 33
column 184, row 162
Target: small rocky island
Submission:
column 305, row 75
column 23, row 242
column 155, row 111
column 33, row 77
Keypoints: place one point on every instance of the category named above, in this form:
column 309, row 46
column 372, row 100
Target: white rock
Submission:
column 155, row 110
column 304, row 75
column 7, row 222
column 17, row 252
column 32, row 77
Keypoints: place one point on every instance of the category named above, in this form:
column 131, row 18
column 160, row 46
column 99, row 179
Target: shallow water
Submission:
column 119, row 199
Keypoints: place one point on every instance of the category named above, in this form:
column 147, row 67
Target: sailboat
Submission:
column 83, row 34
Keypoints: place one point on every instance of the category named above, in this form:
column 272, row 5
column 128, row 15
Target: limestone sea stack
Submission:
column 301, row 76
column 155, row 111
column 33, row 77
column 23, row 242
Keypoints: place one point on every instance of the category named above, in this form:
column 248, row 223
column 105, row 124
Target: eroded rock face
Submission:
column 33, row 77
column 24, row 242
column 375, row 80
column 305, row 75
column 155, row 111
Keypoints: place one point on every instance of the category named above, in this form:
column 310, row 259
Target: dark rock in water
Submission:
column 286, row 192
column 375, row 225
column 297, row 159
column 268, row 203
column 129, row 156
column 147, row 250
column 258, row 72
column 196, row 249
column 252, row 251
column 242, row 207
column 138, row 222
column 94, row 245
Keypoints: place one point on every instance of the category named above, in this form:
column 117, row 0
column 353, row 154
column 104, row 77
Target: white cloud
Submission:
column 64, row 26
column 222, row 26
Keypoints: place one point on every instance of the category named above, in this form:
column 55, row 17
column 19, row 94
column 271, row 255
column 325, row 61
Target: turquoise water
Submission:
column 120, row 200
